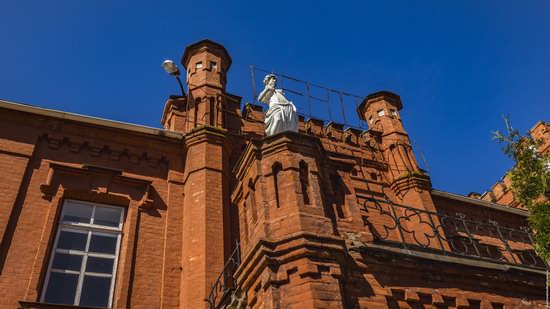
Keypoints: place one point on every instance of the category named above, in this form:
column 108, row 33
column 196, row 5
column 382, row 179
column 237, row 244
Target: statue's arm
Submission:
column 266, row 94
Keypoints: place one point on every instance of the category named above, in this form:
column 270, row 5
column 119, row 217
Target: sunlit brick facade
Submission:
column 212, row 213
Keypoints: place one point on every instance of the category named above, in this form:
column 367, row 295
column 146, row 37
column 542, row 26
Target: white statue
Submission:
column 281, row 115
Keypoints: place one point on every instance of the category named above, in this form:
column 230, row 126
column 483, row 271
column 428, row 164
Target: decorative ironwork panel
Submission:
column 410, row 227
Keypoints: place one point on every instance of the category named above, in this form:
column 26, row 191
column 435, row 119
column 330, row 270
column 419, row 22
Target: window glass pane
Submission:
column 67, row 261
column 99, row 265
column 72, row 240
column 103, row 244
column 61, row 288
column 95, row 291
column 76, row 212
column 107, row 216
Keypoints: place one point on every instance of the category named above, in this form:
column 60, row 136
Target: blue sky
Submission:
column 457, row 65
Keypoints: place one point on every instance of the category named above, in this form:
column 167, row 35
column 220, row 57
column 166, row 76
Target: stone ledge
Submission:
column 365, row 247
column 39, row 305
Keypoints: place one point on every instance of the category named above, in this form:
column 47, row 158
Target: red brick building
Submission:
column 209, row 212
column 501, row 192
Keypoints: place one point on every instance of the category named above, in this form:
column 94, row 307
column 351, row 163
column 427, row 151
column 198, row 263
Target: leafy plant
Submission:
column 530, row 178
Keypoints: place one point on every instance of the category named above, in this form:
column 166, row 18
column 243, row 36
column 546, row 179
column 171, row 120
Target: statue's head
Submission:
column 270, row 79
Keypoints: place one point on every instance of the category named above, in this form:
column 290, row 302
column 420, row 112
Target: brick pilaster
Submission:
column 205, row 214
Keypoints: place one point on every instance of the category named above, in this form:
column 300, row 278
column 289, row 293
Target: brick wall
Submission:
column 149, row 270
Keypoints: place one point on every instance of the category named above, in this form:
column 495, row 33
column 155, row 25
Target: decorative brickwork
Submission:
column 217, row 214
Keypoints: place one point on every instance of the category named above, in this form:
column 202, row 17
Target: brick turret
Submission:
column 409, row 185
column 206, row 234
column 381, row 111
column 206, row 64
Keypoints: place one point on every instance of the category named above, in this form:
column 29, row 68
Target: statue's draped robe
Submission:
column 281, row 115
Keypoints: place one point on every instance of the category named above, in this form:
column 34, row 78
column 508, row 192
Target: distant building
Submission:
column 208, row 212
column 501, row 192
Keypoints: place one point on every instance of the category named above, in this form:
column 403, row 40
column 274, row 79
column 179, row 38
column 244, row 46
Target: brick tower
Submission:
column 286, row 222
column 409, row 184
column 205, row 181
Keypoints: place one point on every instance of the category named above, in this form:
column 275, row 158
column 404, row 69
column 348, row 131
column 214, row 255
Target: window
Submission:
column 371, row 119
column 84, row 258
column 339, row 195
column 213, row 66
column 304, row 181
column 198, row 65
column 381, row 113
column 276, row 169
column 393, row 112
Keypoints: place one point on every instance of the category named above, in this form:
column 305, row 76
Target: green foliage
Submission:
column 530, row 179
column 412, row 174
column 539, row 221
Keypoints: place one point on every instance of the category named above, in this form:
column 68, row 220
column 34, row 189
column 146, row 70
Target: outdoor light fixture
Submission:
column 171, row 68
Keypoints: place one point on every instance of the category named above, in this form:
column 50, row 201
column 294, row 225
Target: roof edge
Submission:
column 21, row 107
column 190, row 48
column 536, row 125
column 466, row 199
column 376, row 96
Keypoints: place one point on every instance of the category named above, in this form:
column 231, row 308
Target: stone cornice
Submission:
column 371, row 248
column 207, row 133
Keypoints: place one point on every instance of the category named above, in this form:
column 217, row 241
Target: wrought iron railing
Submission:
column 313, row 100
column 448, row 234
column 225, row 283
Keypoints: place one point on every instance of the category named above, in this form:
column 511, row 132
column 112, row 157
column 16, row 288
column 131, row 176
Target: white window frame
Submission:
column 213, row 66
column 86, row 228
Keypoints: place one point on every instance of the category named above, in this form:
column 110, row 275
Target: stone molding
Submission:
column 414, row 181
column 99, row 180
